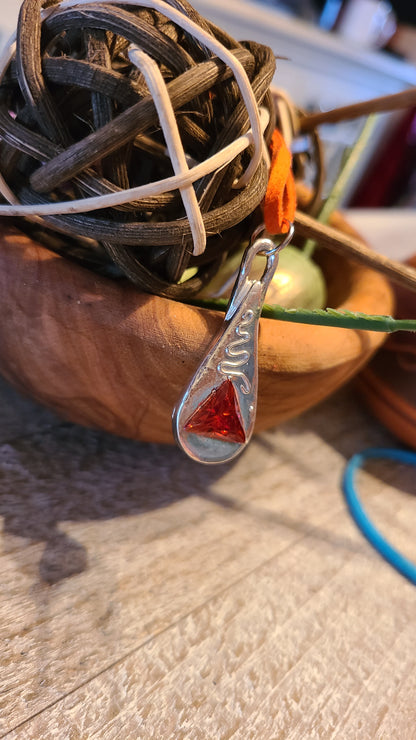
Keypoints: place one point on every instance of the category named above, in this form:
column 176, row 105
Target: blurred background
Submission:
column 374, row 25
column 338, row 52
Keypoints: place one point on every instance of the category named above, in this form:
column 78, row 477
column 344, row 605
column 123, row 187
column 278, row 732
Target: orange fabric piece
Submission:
column 280, row 198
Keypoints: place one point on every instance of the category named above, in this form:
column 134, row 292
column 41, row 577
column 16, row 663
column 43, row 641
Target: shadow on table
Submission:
column 68, row 473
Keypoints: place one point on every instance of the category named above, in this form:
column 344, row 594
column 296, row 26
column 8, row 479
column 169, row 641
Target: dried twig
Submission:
column 397, row 101
column 349, row 246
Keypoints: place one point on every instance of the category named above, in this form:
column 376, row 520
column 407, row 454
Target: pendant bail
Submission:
column 215, row 417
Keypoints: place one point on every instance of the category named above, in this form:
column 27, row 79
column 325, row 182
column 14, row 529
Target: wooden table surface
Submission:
column 144, row 596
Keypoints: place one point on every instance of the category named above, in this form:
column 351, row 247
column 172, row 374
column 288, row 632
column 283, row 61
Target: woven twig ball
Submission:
column 77, row 119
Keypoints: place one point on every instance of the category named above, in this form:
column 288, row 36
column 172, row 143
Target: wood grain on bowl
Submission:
column 104, row 355
column 388, row 383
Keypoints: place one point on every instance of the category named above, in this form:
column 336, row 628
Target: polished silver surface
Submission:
column 232, row 356
column 237, row 355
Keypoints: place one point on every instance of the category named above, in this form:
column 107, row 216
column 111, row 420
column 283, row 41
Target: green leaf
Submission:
column 324, row 317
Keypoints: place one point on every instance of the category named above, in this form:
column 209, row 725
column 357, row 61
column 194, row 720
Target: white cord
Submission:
column 167, row 119
column 219, row 50
column 184, row 177
column 95, row 203
column 286, row 111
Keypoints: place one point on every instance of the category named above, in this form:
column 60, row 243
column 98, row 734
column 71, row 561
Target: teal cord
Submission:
column 323, row 317
column 361, row 518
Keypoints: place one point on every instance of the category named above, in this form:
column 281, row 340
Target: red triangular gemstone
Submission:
column 219, row 416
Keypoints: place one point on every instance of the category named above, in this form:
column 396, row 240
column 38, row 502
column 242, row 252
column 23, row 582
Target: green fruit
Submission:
column 297, row 283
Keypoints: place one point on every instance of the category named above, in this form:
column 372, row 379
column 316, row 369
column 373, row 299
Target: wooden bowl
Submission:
column 388, row 384
column 104, row 355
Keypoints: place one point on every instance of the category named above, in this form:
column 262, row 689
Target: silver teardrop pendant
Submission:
column 214, row 419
